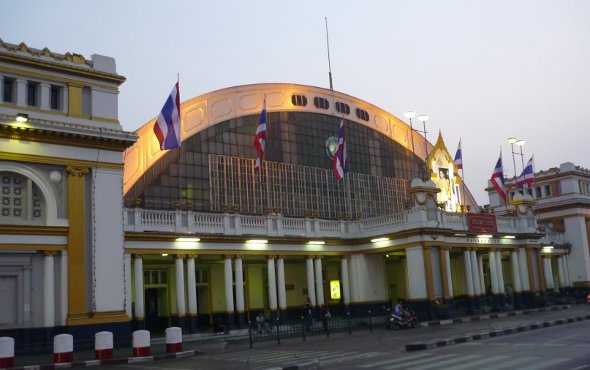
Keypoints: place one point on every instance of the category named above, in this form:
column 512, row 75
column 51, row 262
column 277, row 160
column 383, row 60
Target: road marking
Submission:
column 388, row 362
column 351, row 357
column 511, row 364
column 480, row 362
column 445, row 364
column 544, row 364
column 408, row 363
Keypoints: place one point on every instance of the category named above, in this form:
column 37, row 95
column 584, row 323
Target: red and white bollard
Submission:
column 173, row 339
column 141, row 343
column 103, row 345
column 63, row 348
column 6, row 352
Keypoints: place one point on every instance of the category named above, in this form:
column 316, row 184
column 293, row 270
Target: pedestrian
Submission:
column 261, row 323
column 307, row 312
column 325, row 315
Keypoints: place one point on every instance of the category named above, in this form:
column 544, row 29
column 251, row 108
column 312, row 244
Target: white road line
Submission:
column 478, row 363
column 395, row 360
column 511, row 364
column 445, row 364
column 407, row 364
column 544, row 363
column 348, row 357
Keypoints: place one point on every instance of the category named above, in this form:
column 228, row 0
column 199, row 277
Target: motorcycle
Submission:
column 408, row 320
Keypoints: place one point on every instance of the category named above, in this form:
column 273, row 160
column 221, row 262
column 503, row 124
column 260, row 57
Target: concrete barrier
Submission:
column 103, row 345
column 141, row 343
column 63, row 348
column 6, row 352
column 173, row 339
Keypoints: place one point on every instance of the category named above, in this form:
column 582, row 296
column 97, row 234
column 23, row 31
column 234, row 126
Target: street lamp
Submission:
column 423, row 118
column 409, row 115
column 520, row 143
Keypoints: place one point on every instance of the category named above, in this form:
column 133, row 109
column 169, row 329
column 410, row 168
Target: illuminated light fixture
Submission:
column 485, row 236
column 410, row 115
column 164, row 254
column 188, row 239
column 387, row 256
column 257, row 241
column 460, row 234
column 509, row 237
column 316, row 242
column 22, row 117
column 548, row 247
column 511, row 140
column 379, row 240
column 520, row 142
column 423, row 118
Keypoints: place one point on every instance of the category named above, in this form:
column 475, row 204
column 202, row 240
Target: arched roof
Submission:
column 209, row 109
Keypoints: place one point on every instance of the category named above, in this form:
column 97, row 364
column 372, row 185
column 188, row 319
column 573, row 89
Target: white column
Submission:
column 524, row 270
column 493, row 273
column 48, row 291
column 44, row 95
column 548, row 272
column 345, row 282
column 127, row 275
column 239, row 271
column 229, row 285
column 550, row 265
column 180, row 302
column 468, row 273
column 515, row 271
column 416, row 273
column 482, row 282
column 64, row 289
column 310, row 280
column 138, row 272
column 319, row 281
column 560, row 271
column 272, row 283
column 281, row 283
column 192, row 286
column 566, row 270
column 475, row 273
column 500, row 272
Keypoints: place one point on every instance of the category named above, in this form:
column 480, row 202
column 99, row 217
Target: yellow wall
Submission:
column 458, row 275
column 256, row 286
column 217, row 287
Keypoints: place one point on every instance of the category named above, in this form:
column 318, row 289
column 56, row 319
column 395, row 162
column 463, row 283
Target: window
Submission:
column 558, row 187
column 299, row 100
column 8, row 90
column 538, row 192
column 86, row 101
column 547, row 190
column 17, row 204
column 321, row 103
column 342, row 107
column 362, row 114
column 32, row 93
column 56, row 93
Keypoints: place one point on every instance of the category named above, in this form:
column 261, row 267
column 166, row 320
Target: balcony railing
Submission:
column 276, row 225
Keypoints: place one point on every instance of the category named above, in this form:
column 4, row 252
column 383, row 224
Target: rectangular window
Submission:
column 547, row 190
column 32, row 92
column 538, row 192
column 56, row 97
column 8, row 90
column 86, row 101
column 558, row 186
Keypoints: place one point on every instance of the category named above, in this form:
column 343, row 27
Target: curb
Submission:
column 492, row 316
column 420, row 346
column 114, row 361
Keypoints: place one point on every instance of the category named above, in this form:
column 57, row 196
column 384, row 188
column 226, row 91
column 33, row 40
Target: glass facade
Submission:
column 294, row 138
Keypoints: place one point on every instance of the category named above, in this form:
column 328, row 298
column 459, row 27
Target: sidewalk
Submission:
column 448, row 330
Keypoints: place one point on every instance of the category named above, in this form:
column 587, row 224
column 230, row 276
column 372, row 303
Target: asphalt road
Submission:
column 560, row 347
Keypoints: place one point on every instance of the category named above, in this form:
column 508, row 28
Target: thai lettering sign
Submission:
column 481, row 223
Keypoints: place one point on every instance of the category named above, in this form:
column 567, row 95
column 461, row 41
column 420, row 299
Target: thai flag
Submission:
column 339, row 159
column 498, row 179
column 459, row 158
column 167, row 126
column 527, row 177
column 260, row 137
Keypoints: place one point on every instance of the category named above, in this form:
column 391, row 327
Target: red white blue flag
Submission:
column 260, row 137
column 527, row 177
column 167, row 126
column 459, row 158
column 498, row 179
column 339, row 159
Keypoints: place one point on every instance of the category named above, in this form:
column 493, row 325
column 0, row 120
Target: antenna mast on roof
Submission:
column 328, row 47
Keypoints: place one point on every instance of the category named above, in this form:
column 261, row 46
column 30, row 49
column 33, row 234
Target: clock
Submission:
column 331, row 146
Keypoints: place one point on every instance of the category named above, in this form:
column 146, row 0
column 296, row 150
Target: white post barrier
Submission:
column 173, row 339
column 103, row 345
column 141, row 343
column 63, row 348
column 6, row 352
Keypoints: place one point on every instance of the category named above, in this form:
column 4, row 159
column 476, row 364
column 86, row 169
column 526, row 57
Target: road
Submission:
column 560, row 347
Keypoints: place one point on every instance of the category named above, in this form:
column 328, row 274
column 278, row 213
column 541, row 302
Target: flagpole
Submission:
column 179, row 144
column 328, row 47
column 505, row 197
column 462, row 178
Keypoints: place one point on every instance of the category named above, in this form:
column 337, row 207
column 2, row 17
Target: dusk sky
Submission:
column 483, row 70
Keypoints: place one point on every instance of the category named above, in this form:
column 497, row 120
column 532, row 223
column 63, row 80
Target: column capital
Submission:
column 49, row 253
column 77, row 171
column 137, row 256
column 270, row 257
column 193, row 256
column 179, row 256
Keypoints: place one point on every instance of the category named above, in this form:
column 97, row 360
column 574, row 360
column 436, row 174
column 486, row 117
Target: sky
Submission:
column 483, row 71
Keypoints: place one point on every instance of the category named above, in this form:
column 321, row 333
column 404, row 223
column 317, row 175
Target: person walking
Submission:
column 325, row 315
column 307, row 312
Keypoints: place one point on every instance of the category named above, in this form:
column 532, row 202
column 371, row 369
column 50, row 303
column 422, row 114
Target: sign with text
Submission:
column 481, row 223
column 334, row 289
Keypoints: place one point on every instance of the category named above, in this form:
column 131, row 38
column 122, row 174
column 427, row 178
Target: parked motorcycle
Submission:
column 409, row 320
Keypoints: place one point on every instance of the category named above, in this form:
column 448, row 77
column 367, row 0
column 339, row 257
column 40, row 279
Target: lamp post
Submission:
column 409, row 115
column 423, row 118
column 519, row 142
